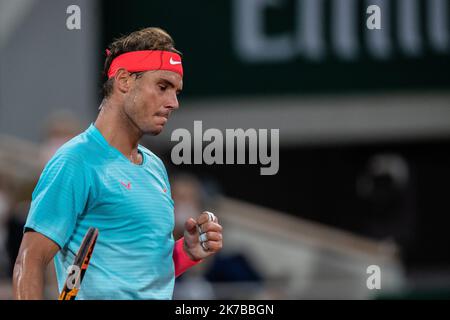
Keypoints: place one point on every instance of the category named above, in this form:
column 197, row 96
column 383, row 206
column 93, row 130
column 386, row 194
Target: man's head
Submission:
column 146, row 98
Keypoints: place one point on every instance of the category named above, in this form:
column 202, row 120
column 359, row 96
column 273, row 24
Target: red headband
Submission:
column 145, row 60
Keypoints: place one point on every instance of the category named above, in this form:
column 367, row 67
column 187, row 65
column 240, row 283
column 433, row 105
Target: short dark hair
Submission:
column 145, row 39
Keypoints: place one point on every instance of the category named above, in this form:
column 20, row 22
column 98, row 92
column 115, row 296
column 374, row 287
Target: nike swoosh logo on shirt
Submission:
column 171, row 61
column 128, row 186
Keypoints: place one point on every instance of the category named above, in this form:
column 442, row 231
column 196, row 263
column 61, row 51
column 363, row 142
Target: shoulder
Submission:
column 77, row 152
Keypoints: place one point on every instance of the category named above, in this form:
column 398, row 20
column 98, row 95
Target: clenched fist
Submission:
column 202, row 236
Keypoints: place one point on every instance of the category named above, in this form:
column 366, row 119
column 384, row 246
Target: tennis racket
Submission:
column 80, row 265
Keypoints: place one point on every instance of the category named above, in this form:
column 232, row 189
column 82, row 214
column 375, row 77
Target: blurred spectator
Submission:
column 5, row 204
column 60, row 127
column 387, row 196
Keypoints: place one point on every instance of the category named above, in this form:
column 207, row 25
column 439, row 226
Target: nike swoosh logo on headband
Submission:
column 171, row 61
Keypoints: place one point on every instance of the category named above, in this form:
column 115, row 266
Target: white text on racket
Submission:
column 73, row 278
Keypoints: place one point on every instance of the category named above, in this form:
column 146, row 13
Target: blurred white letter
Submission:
column 251, row 42
column 74, row 20
column 216, row 147
column 274, row 158
column 374, row 280
column 183, row 146
column 374, row 21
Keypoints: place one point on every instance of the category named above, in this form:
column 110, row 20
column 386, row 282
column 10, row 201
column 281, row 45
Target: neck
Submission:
column 118, row 129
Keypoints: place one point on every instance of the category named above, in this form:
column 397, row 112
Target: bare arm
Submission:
column 36, row 251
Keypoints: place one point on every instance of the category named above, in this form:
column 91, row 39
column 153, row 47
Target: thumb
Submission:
column 191, row 226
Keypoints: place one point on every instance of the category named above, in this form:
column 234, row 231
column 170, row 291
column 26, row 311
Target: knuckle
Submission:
column 212, row 235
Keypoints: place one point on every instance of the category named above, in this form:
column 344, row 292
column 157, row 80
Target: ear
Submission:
column 123, row 80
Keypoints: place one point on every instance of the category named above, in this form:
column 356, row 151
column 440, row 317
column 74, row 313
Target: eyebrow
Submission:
column 169, row 83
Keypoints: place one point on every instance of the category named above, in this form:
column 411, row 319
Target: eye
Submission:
column 162, row 87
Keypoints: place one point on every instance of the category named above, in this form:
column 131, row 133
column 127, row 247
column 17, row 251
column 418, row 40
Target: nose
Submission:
column 173, row 103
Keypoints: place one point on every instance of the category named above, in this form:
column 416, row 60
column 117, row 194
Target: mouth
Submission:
column 164, row 117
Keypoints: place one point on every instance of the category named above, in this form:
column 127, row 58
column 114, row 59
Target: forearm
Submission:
column 28, row 279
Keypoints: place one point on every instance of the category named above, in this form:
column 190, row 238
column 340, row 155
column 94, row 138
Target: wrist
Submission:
column 188, row 253
column 182, row 259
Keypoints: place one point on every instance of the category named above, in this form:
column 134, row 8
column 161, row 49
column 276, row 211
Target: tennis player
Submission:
column 103, row 178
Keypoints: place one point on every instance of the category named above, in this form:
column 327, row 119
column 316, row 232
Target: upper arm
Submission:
column 35, row 253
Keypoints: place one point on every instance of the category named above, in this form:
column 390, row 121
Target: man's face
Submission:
column 152, row 99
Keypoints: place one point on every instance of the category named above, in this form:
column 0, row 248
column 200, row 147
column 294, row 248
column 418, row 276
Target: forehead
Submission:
column 164, row 75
